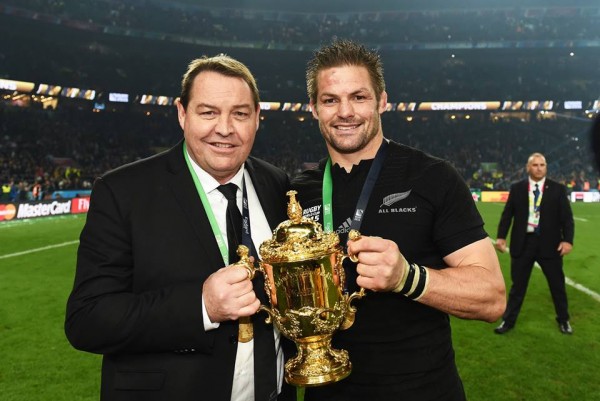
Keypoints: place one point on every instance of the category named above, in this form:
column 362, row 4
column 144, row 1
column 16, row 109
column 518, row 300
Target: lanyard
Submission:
column 219, row 237
column 246, row 230
column 534, row 205
column 364, row 194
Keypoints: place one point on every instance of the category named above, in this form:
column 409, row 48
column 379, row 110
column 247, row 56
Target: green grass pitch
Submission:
column 532, row 362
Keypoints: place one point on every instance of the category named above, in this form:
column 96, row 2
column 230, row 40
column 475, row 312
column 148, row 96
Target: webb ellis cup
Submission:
column 304, row 279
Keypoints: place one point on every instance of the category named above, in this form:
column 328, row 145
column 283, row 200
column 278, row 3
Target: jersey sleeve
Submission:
column 458, row 222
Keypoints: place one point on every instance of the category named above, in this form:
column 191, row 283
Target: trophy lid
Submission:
column 298, row 238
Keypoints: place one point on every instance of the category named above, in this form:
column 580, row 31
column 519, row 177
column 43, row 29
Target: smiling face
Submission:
column 349, row 113
column 219, row 123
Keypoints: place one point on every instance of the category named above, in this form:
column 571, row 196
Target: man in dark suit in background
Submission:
column 595, row 137
column 542, row 232
column 151, row 291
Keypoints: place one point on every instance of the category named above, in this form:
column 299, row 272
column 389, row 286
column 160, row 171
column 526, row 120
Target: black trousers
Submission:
column 520, row 273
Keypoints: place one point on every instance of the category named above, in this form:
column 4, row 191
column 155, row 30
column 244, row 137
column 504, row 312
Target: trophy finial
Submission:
column 294, row 210
column 298, row 238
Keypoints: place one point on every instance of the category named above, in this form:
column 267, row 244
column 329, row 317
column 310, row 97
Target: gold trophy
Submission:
column 304, row 279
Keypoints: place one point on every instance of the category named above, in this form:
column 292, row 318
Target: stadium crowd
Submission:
column 471, row 23
column 42, row 151
column 105, row 60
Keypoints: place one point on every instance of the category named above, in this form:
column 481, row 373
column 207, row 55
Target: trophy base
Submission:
column 317, row 363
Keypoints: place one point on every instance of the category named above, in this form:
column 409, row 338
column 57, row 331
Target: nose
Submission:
column 345, row 110
column 224, row 126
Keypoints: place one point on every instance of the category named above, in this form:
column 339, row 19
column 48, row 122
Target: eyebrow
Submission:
column 356, row 92
column 210, row 106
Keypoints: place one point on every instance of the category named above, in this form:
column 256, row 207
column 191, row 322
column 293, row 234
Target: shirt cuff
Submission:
column 208, row 325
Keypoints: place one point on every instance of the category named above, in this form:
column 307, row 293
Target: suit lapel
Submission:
column 548, row 188
column 264, row 192
column 186, row 195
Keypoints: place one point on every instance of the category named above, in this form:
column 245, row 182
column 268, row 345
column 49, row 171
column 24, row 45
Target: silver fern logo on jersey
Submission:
column 392, row 199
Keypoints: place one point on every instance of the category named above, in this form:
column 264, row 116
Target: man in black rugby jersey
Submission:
column 423, row 253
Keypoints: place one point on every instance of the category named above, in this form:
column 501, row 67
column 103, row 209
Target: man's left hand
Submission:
column 564, row 248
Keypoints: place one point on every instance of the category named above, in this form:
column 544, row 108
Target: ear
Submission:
column 181, row 114
column 313, row 110
column 257, row 117
column 382, row 102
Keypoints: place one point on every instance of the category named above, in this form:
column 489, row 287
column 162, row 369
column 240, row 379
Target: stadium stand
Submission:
column 512, row 53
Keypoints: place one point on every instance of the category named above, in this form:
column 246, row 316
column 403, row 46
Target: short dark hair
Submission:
column 344, row 52
column 221, row 64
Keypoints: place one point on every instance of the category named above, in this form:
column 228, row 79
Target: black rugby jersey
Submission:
column 421, row 203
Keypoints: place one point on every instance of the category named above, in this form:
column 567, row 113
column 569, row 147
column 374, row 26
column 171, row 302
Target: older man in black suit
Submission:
column 155, row 291
column 542, row 232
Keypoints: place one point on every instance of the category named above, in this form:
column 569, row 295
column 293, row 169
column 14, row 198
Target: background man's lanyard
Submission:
column 364, row 194
column 222, row 240
column 535, row 207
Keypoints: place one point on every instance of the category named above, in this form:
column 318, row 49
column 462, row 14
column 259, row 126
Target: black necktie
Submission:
column 234, row 220
column 536, row 196
column 265, row 367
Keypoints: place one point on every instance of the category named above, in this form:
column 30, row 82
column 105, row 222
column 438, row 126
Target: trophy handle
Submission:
column 245, row 323
column 243, row 252
column 267, row 281
column 269, row 311
column 245, row 330
column 351, row 310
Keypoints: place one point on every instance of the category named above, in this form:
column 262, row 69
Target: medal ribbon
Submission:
column 219, row 237
column 365, row 193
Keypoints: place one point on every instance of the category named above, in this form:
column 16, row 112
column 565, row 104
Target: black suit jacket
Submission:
column 144, row 253
column 556, row 218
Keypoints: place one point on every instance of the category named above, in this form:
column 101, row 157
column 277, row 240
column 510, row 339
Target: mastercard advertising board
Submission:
column 7, row 211
column 30, row 210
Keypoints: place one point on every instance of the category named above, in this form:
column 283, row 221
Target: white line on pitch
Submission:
column 44, row 248
column 569, row 281
column 583, row 289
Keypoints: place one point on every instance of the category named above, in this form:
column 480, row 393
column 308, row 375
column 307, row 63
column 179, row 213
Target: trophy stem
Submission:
column 317, row 363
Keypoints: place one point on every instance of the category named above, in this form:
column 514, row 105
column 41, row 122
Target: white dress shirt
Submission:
column 532, row 212
column 243, row 375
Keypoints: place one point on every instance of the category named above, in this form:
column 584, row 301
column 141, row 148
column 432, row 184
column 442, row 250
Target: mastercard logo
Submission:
column 7, row 212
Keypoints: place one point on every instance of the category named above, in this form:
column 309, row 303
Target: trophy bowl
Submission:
column 304, row 281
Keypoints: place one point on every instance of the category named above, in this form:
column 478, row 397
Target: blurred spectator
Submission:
column 130, row 46
column 66, row 149
column 501, row 53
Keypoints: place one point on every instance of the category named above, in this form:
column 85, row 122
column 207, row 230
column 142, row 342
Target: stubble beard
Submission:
column 359, row 143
